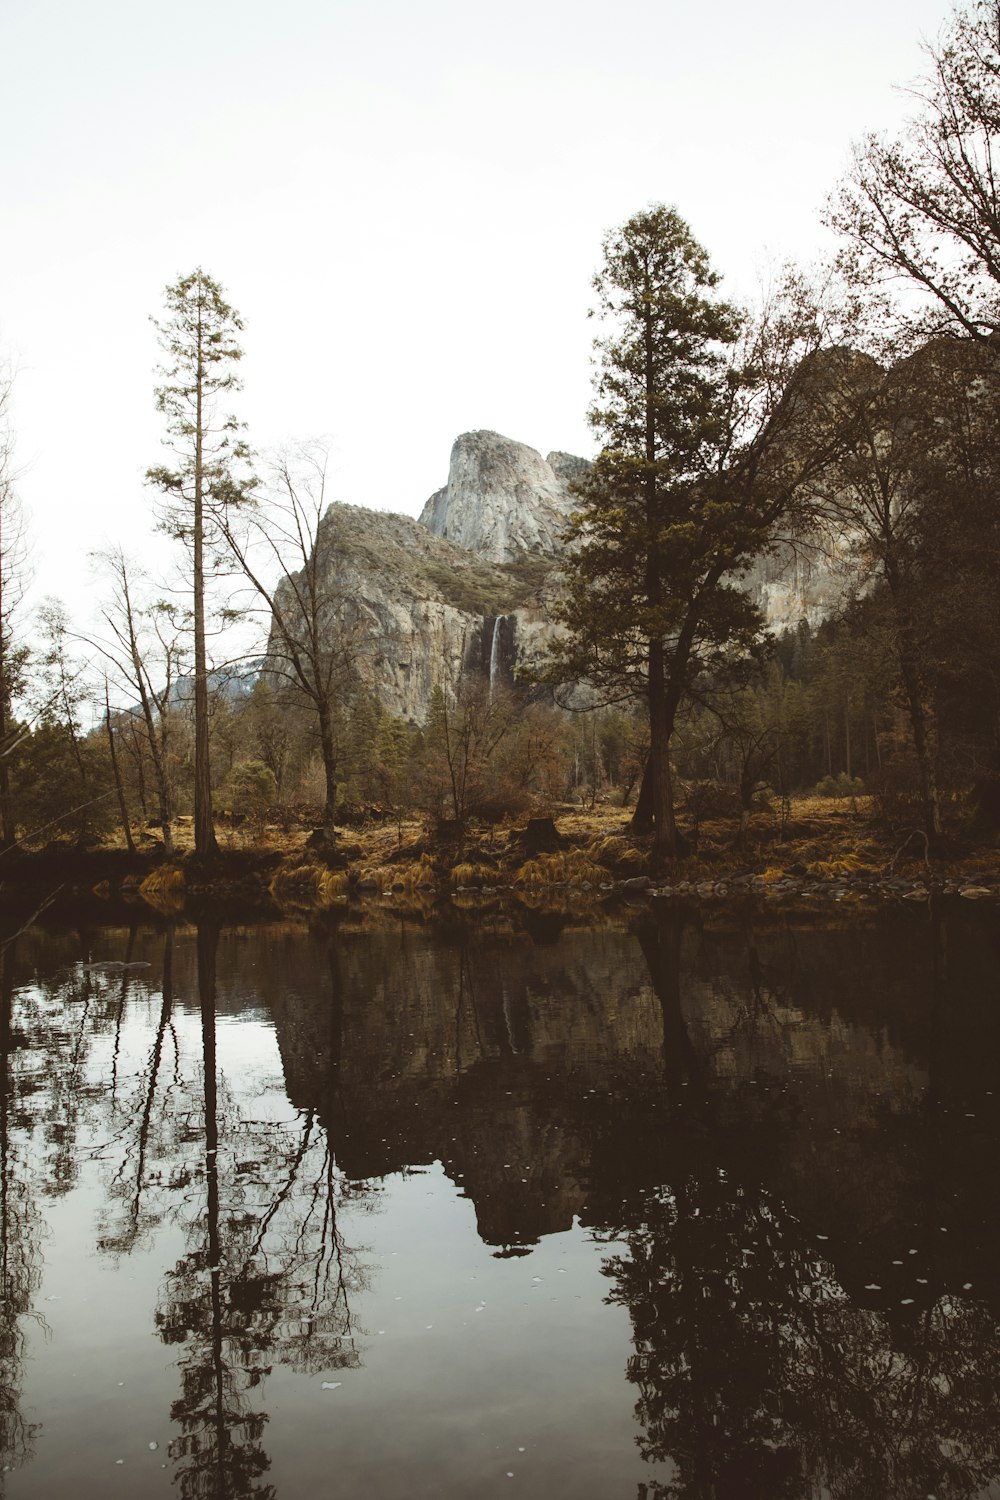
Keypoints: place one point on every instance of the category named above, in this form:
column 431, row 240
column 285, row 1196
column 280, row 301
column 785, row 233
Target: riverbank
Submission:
column 824, row 851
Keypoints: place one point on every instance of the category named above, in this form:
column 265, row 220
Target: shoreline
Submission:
column 578, row 863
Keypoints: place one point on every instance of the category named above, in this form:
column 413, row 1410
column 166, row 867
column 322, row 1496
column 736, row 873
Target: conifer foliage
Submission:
column 708, row 428
column 198, row 339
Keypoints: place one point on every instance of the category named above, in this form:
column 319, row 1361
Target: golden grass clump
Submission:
column 309, row 886
column 844, row 864
column 403, row 879
column 614, row 851
column 574, row 867
column 471, row 873
column 163, row 889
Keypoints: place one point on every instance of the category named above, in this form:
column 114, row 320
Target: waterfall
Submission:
column 494, row 651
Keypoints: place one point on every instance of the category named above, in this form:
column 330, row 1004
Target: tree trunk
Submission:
column 329, row 754
column 920, row 728
column 117, row 774
column 135, row 751
column 642, row 817
column 747, row 783
column 163, row 791
column 8, row 830
column 665, row 837
column 667, row 842
column 156, row 739
column 204, row 826
column 920, row 717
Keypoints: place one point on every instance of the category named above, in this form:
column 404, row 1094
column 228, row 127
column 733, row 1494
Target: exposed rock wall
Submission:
column 469, row 587
column 502, row 498
column 421, row 612
column 396, row 591
column 799, row 583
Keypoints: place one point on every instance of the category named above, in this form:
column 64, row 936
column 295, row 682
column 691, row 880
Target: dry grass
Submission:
column 163, row 890
column 842, row 864
column 572, row 867
column 828, row 837
column 825, row 809
column 401, row 879
column 308, row 886
column 584, row 824
column 615, row 852
column 469, row 873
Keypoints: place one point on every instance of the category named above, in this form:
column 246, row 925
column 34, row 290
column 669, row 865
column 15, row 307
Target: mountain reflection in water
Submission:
column 764, row 1156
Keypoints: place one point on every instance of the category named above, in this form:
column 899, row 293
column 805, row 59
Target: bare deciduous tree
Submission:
column 288, row 534
column 13, row 563
column 144, row 650
column 924, row 209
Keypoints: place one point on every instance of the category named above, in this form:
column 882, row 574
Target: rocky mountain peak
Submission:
column 567, row 466
column 502, row 498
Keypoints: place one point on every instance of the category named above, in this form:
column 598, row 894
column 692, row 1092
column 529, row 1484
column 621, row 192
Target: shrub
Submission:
column 840, row 786
column 704, row 801
column 253, row 788
column 896, row 795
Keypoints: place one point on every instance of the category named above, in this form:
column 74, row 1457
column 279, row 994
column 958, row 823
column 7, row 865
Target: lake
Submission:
column 703, row 1205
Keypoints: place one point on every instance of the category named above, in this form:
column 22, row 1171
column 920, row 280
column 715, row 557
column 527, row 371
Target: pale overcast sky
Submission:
column 405, row 201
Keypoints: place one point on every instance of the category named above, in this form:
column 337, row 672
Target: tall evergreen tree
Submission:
column 198, row 339
column 706, row 421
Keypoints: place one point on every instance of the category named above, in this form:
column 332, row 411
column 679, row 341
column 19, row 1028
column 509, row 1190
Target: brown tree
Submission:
column 288, row 534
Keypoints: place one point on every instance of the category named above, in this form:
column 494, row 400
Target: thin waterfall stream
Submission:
column 494, row 649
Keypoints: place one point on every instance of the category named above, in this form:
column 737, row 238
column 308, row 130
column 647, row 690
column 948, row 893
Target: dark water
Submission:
column 675, row 1210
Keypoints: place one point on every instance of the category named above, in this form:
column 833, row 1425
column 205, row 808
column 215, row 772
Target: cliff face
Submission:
column 469, row 587
column 502, row 498
column 793, row 584
column 422, row 611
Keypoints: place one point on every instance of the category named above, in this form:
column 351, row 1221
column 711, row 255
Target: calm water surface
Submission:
column 677, row 1210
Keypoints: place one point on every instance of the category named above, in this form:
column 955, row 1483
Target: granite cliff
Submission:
column 426, row 611
column 502, row 498
column 469, row 587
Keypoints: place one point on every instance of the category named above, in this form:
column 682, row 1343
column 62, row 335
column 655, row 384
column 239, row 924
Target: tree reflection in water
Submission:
column 20, row 1229
column 267, row 1276
column 759, row 1377
column 707, row 1097
column 46, row 1038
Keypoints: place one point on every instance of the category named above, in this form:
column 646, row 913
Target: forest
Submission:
column 847, row 422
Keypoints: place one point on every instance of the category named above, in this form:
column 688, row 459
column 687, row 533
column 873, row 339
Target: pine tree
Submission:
column 198, row 338
column 710, row 429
